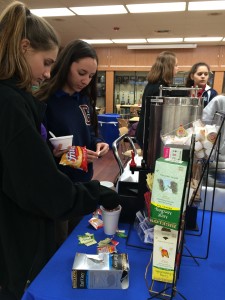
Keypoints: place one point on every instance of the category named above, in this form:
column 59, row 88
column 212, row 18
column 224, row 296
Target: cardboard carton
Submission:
column 164, row 254
column 168, row 193
column 101, row 271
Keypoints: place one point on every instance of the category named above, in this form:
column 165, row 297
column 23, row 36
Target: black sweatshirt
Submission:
column 33, row 192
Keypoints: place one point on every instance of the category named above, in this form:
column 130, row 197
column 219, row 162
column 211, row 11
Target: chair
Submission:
column 101, row 111
column 123, row 129
column 118, row 109
column 134, row 111
column 123, row 122
column 124, row 143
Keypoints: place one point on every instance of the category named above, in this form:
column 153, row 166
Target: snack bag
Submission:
column 76, row 158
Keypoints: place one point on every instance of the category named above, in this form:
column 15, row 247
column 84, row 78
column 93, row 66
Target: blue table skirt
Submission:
column 54, row 281
column 203, row 281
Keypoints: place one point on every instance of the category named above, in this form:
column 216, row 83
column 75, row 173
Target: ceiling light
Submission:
column 170, row 46
column 206, row 5
column 127, row 41
column 98, row 41
column 52, row 12
column 203, row 39
column 156, row 7
column 99, row 10
column 165, row 40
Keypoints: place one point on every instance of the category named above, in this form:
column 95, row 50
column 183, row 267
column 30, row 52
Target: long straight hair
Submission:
column 18, row 23
column 72, row 52
column 163, row 68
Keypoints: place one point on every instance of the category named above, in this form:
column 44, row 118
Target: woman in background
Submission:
column 33, row 192
column 198, row 76
column 217, row 104
column 162, row 73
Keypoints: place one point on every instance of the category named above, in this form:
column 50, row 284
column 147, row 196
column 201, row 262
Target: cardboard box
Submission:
column 101, row 271
column 168, row 193
column 164, row 254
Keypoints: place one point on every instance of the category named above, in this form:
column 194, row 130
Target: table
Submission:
column 134, row 119
column 54, row 281
column 195, row 281
column 130, row 105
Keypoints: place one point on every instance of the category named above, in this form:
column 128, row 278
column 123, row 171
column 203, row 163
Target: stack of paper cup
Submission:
column 110, row 219
column 199, row 152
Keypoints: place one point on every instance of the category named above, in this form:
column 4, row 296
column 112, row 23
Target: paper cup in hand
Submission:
column 65, row 141
column 110, row 219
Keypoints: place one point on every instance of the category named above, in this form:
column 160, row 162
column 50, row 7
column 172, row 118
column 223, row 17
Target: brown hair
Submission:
column 163, row 68
column 72, row 52
column 194, row 68
column 17, row 23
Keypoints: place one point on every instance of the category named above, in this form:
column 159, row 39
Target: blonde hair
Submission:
column 17, row 23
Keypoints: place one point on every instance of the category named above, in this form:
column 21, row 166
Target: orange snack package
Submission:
column 76, row 158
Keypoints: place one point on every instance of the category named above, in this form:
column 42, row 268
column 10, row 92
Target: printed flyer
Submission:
column 167, row 192
column 164, row 254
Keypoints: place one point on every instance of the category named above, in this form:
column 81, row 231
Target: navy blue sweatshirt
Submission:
column 71, row 115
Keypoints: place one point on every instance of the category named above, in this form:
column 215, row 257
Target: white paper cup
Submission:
column 207, row 144
column 211, row 136
column 110, row 219
column 200, row 154
column 198, row 146
column 108, row 184
column 208, row 151
column 65, row 141
column 199, row 137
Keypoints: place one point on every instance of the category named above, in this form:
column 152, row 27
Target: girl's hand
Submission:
column 102, row 149
column 91, row 156
column 57, row 152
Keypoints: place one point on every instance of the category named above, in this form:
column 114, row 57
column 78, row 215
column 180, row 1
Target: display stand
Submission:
column 153, row 125
column 169, row 290
column 151, row 152
column 219, row 119
column 163, row 292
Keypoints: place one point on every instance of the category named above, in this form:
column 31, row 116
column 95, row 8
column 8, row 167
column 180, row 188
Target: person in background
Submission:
column 217, row 104
column 162, row 73
column 33, row 192
column 198, row 76
column 71, row 95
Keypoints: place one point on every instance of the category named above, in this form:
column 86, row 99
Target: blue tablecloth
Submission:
column 54, row 281
column 195, row 281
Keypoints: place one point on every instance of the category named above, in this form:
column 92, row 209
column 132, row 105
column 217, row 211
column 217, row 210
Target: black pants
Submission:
column 64, row 228
column 6, row 295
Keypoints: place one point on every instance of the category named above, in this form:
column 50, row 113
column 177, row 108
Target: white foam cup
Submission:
column 108, row 184
column 110, row 219
column 198, row 146
column 200, row 154
column 207, row 144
